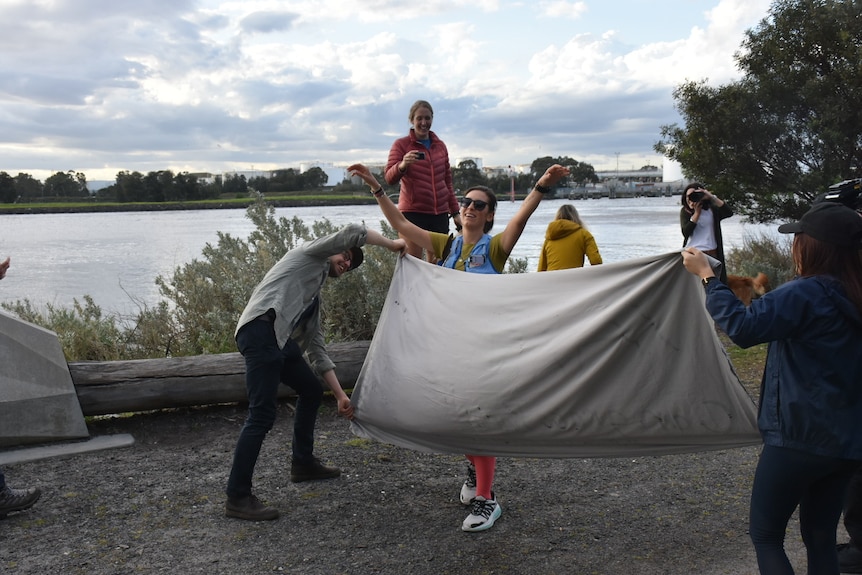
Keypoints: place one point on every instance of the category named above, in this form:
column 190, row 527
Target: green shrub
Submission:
column 209, row 294
column 517, row 266
column 762, row 253
column 83, row 332
column 352, row 303
column 204, row 298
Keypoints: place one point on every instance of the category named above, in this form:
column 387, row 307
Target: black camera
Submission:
column 699, row 197
column 420, row 155
column 696, row 197
column 846, row 192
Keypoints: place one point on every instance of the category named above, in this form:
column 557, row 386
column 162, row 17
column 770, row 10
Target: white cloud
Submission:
column 100, row 86
column 563, row 9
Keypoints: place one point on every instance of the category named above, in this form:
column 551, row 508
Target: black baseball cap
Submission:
column 356, row 257
column 828, row 222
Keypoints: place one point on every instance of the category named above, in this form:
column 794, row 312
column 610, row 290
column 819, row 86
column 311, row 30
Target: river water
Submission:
column 115, row 257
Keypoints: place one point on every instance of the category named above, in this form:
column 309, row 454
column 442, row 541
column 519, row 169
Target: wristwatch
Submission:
column 709, row 280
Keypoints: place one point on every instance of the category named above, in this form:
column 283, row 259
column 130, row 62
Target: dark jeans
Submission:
column 784, row 479
column 266, row 366
column 853, row 509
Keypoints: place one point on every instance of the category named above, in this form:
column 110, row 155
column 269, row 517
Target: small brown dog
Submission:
column 746, row 288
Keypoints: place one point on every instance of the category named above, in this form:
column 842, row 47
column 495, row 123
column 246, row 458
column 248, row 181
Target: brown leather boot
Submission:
column 249, row 508
column 312, row 471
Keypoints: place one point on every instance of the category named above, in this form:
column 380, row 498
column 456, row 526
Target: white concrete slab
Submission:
column 97, row 443
column 38, row 402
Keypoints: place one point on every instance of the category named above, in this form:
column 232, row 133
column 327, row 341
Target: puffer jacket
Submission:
column 426, row 186
column 811, row 391
column 566, row 245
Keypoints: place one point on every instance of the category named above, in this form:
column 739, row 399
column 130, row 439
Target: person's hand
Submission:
column 409, row 158
column 345, row 408
column 552, row 175
column 399, row 245
column 696, row 263
column 4, row 266
column 363, row 172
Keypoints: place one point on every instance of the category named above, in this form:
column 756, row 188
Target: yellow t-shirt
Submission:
column 495, row 250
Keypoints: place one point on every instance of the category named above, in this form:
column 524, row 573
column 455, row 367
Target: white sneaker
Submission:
column 483, row 514
column 468, row 490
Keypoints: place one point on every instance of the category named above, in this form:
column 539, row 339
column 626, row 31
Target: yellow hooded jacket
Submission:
column 566, row 245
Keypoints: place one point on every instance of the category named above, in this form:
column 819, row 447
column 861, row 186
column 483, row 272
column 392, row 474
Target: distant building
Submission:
column 203, row 177
column 646, row 174
column 457, row 161
column 335, row 175
column 249, row 174
column 510, row 170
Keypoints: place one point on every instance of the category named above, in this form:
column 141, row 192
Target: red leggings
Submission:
column 485, row 465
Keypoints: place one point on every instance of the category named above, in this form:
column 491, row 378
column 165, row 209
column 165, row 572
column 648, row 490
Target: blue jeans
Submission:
column 266, row 366
column 787, row 478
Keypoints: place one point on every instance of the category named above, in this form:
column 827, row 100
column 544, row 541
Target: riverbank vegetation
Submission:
column 201, row 301
column 763, row 253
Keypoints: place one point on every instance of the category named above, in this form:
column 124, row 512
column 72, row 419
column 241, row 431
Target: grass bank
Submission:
column 278, row 201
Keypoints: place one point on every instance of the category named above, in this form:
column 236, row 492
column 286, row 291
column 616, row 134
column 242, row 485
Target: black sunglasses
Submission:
column 478, row 205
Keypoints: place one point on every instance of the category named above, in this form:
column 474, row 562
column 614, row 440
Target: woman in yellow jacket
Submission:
column 567, row 242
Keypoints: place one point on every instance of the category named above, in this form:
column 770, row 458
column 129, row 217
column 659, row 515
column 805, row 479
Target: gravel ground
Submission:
column 158, row 507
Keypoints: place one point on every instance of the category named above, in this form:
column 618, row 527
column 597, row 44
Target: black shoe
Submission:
column 18, row 499
column 312, row 471
column 249, row 508
column 849, row 558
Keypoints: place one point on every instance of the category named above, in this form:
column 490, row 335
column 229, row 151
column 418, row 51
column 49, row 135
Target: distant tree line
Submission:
column 158, row 186
column 167, row 186
column 60, row 186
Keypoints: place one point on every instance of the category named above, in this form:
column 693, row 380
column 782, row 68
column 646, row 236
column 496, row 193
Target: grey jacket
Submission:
column 291, row 285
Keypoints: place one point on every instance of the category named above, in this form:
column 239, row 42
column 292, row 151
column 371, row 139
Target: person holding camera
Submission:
column 810, row 399
column 420, row 163
column 700, row 220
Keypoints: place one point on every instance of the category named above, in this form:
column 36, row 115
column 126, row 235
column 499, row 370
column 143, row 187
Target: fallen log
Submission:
column 107, row 387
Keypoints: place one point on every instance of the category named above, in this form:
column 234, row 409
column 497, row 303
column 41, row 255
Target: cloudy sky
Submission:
column 100, row 86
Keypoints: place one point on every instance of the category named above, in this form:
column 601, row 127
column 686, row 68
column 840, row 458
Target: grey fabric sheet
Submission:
column 613, row 360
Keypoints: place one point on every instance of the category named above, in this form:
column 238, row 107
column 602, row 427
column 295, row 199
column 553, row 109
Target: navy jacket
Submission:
column 811, row 392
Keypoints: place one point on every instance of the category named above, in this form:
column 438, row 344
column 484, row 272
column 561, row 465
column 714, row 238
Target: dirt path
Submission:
column 157, row 507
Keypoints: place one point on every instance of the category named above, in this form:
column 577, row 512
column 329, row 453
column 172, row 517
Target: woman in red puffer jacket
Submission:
column 420, row 162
